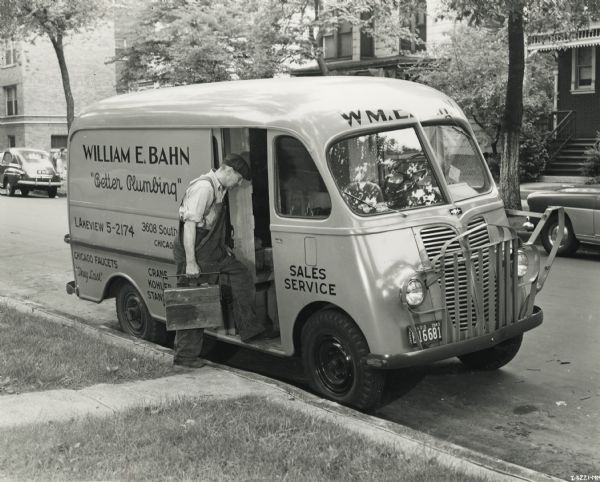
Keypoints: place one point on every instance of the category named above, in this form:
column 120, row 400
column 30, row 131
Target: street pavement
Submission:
column 541, row 411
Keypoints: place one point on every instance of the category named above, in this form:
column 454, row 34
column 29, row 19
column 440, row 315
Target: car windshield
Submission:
column 459, row 160
column 383, row 172
column 36, row 158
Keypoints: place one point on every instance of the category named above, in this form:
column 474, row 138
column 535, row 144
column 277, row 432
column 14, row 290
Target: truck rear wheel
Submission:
column 494, row 357
column 134, row 317
column 52, row 191
column 24, row 192
column 333, row 351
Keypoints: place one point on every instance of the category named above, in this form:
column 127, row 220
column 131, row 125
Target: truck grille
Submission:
column 488, row 285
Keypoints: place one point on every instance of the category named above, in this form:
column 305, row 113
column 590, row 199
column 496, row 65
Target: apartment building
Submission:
column 33, row 107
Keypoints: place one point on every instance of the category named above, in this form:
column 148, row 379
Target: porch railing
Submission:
column 563, row 130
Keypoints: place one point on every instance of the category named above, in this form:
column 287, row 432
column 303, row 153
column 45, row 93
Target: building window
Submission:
column 583, row 71
column 338, row 44
column 367, row 42
column 418, row 26
column 9, row 51
column 10, row 94
column 56, row 142
column 12, row 142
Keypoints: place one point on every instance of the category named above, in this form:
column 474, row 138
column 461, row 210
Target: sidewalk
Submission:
column 218, row 382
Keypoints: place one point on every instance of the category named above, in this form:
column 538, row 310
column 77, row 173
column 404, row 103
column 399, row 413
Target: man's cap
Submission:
column 239, row 164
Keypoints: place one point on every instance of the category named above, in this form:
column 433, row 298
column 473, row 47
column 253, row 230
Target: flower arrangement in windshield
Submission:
column 384, row 172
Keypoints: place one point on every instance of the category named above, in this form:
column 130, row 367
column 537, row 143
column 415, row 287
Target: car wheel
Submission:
column 549, row 233
column 134, row 317
column 24, row 192
column 10, row 188
column 52, row 192
column 494, row 357
column 333, row 351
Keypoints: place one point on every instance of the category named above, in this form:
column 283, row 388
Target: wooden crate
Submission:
column 193, row 307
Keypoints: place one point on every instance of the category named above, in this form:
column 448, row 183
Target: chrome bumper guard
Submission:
column 543, row 218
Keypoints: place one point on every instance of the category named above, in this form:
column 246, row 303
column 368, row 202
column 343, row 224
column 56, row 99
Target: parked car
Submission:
column 582, row 216
column 27, row 170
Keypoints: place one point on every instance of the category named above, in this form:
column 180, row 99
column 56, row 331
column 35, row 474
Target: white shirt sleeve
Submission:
column 197, row 200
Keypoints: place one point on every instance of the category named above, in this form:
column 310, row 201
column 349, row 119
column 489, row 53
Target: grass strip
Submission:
column 243, row 439
column 37, row 354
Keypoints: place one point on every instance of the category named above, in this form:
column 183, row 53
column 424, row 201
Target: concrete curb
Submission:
column 222, row 382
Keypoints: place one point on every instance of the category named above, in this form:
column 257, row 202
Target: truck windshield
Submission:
column 383, row 172
column 459, row 160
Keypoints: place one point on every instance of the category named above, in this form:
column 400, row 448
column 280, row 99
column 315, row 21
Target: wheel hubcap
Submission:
column 554, row 235
column 334, row 365
column 133, row 312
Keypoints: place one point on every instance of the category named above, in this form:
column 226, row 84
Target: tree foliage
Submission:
column 190, row 41
column 519, row 17
column 55, row 20
column 187, row 41
column 472, row 68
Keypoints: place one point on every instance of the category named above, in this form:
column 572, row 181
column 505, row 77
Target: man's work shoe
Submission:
column 197, row 363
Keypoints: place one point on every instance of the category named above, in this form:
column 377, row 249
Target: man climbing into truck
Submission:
column 201, row 247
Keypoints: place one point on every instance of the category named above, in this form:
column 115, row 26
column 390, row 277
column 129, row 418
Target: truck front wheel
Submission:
column 494, row 357
column 134, row 317
column 333, row 351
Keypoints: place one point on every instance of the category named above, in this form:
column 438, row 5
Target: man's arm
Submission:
column 189, row 245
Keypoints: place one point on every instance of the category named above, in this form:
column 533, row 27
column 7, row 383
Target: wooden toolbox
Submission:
column 197, row 306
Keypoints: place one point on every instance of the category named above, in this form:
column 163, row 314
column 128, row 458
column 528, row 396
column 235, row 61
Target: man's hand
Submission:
column 192, row 269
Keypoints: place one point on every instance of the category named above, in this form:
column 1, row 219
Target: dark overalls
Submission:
column 236, row 282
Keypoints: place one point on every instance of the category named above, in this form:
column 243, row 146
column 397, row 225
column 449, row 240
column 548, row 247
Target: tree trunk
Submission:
column 513, row 110
column 318, row 43
column 57, row 43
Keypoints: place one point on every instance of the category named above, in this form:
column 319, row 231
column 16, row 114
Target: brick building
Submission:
column 33, row 107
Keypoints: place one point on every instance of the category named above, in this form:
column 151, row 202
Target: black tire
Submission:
column 333, row 351
column 494, row 357
column 24, row 192
column 569, row 243
column 52, row 191
column 10, row 188
column 135, row 318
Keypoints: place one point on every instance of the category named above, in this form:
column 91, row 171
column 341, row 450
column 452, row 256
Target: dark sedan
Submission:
column 582, row 216
column 26, row 170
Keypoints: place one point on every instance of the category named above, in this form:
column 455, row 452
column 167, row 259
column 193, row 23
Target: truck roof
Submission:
column 317, row 108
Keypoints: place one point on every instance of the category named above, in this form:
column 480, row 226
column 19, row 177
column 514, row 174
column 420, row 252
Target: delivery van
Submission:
column 372, row 227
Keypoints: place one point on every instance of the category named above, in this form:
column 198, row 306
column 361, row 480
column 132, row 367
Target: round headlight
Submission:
column 522, row 263
column 414, row 292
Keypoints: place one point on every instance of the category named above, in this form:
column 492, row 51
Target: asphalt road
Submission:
column 541, row 411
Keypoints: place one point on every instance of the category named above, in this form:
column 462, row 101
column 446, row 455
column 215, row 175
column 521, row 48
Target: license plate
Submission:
column 427, row 333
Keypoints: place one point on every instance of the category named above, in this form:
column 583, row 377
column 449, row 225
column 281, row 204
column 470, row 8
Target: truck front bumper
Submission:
column 436, row 353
